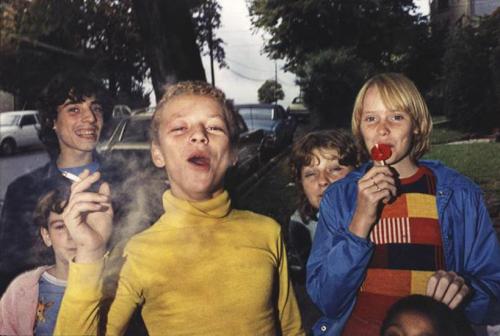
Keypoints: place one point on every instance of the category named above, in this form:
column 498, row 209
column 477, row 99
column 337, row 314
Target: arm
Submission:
column 341, row 249
column 85, row 300
column 481, row 263
column 338, row 261
column 88, row 217
column 8, row 314
column 289, row 313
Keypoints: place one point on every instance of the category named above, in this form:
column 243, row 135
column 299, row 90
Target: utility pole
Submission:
column 275, row 82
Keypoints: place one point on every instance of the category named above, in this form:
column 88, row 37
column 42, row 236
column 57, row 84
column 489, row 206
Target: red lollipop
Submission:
column 381, row 152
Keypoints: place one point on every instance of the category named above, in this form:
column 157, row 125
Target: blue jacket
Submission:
column 339, row 259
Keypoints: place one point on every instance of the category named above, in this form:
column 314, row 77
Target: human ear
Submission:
column 45, row 237
column 156, row 155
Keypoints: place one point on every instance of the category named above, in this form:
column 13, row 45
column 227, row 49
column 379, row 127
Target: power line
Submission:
column 246, row 66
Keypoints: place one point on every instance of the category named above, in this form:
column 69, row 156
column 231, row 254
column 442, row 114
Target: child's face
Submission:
column 381, row 125
column 78, row 125
column 410, row 324
column 323, row 170
column 58, row 238
column 193, row 146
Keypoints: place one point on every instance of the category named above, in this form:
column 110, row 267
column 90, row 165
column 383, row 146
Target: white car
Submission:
column 18, row 129
column 298, row 109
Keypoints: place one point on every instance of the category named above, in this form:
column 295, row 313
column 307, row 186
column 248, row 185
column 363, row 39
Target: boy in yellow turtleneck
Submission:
column 202, row 268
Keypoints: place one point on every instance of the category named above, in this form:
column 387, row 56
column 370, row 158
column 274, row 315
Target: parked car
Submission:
column 278, row 125
column 18, row 129
column 298, row 109
column 130, row 141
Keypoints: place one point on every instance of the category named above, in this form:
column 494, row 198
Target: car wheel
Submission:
column 8, row 146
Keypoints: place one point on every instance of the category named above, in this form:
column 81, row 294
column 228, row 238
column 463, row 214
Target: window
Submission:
column 262, row 113
column 137, row 131
column 28, row 119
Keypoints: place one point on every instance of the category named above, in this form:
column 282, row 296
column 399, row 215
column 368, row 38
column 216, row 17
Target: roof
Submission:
column 18, row 112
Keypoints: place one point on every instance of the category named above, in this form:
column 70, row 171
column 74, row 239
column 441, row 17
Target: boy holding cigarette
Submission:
column 203, row 268
column 73, row 108
column 399, row 225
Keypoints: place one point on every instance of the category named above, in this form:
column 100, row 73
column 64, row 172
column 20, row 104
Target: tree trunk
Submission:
column 169, row 41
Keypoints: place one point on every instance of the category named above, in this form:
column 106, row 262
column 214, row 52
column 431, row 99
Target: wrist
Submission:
column 361, row 226
column 89, row 256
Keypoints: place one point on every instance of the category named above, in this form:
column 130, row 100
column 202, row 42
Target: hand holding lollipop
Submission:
column 381, row 152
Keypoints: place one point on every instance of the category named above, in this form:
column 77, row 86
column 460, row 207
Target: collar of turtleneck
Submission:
column 215, row 208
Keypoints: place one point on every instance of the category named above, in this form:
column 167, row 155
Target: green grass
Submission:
column 479, row 161
column 444, row 135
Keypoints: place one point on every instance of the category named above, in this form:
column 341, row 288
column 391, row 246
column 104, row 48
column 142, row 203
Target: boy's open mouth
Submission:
column 199, row 160
column 87, row 133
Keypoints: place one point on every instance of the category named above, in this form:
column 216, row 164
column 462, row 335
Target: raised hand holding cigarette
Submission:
column 88, row 217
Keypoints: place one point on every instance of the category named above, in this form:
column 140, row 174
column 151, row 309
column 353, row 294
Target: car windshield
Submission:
column 137, row 130
column 8, row 119
column 257, row 113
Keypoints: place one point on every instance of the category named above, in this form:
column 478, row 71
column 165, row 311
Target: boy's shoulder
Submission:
column 27, row 280
column 449, row 178
column 29, row 179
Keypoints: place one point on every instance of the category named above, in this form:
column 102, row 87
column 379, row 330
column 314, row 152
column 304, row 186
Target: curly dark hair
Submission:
column 446, row 322
column 75, row 86
column 302, row 156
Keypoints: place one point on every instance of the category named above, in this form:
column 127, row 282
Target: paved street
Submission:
column 17, row 165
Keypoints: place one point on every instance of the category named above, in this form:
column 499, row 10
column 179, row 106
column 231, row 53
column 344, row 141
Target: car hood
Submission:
column 266, row 125
column 5, row 128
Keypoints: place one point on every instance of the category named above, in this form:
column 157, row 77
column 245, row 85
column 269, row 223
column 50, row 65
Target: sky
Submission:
column 249, row 68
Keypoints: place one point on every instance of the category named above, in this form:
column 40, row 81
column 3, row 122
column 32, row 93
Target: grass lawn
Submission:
column 479, row 161
column 441, row 135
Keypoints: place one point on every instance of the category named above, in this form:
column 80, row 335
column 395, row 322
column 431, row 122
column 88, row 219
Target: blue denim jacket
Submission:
column 339, row 259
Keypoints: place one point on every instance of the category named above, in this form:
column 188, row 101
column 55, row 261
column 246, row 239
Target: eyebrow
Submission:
column 93, row 101
column 55, row 221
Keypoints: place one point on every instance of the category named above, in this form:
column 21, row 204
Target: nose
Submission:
column 88, row 115
column 199, row 135
column 324, row 179
column 383, row 128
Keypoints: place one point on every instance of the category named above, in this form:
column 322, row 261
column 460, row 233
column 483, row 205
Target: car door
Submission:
column 28, row 132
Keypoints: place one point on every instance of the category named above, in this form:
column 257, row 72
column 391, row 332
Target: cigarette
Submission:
column 70, row 176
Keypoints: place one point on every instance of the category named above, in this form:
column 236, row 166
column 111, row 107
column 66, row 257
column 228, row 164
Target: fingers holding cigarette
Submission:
column 88, row 216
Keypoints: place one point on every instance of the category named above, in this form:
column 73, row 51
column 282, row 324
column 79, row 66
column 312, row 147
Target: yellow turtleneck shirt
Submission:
column 201, row 269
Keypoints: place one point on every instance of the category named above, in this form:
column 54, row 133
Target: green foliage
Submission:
column 359, row 36
column 270, row 92
column 91, row 35
column 479, row 161
column 41, row 38
column 206, row 19
column 472, row 76
column 330, row 80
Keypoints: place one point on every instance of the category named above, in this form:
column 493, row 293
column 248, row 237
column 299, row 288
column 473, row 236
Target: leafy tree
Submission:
column 471, row 76
column 52, row 36
column 378, row 31
column 380, row 35
column 270, row 91
column 206, row 19
column 121, row 41
column 330, row 81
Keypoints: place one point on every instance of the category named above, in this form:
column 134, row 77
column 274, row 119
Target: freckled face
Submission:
column 323, row 170
column 57, row 236
column 193, row 146
column 78, row 125
column 381, row 125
